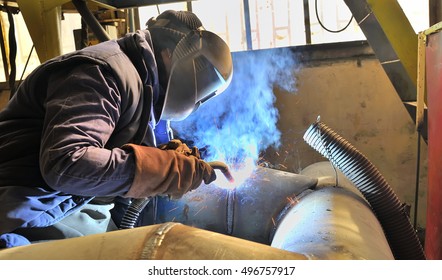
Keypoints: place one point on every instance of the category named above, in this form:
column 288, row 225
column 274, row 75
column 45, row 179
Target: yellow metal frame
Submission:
column 421, row 98
column 43, row 20
column 399, row 32
column 421, row 79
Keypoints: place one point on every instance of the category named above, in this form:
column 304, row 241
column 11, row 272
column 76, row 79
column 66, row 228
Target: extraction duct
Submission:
column 365, row 176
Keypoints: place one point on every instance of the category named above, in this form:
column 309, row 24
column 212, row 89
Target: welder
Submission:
column 89, row 129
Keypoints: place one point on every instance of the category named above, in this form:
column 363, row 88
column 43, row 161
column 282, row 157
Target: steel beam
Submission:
column 395, row 44
column 393, row 40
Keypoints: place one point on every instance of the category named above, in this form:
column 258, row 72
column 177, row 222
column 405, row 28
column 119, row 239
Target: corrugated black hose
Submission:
column 133, row 212
column 401, row 235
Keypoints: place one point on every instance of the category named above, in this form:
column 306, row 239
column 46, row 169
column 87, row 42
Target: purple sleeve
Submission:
column 82, row 109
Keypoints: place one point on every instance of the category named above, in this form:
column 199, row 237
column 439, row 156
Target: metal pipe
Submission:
column 249, row 211
column 364, row 175
column 157, row 242
column 332, row 221
column 248, row 28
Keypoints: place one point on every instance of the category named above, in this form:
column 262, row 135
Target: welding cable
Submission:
column 398, row 230
column 323, row 26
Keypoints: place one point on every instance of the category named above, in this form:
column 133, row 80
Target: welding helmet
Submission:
column 201, row 68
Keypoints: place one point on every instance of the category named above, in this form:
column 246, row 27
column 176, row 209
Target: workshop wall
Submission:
column 355, row 98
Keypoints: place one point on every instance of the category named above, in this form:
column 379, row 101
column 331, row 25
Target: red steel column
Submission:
column 433, row 235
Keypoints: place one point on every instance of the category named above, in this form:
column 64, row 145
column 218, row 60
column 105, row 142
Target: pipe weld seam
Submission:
column 153, row 243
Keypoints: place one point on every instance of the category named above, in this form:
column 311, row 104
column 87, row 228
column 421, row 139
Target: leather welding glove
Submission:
column 180, row 147
column 166, row 172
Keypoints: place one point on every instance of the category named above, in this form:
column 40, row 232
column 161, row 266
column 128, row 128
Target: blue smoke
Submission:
column 242, row 121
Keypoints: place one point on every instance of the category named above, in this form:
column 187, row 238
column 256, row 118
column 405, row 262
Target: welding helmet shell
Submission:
column 201, row 69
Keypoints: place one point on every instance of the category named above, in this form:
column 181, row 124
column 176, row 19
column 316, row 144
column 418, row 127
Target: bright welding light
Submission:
column 242, row 122
column 240, row 173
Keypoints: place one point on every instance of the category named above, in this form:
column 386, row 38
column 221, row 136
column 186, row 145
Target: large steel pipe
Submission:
column 250, row 211
column 333, row 221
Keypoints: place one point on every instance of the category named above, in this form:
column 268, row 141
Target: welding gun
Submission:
column 223, row 168
column 131, row 215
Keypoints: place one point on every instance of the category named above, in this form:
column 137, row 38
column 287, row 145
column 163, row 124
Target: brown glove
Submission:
column 166, row 172
column 180, row 147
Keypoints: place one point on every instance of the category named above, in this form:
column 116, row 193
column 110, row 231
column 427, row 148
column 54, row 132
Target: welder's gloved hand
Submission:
column 180, row 147
column 166, row 172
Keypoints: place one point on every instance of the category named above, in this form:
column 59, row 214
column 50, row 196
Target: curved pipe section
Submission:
column 363, row 174
column 250, row 211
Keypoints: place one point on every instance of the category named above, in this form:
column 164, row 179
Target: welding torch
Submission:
column 223, row 168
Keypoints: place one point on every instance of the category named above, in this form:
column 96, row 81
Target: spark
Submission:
column 240, row 173
column 173, row 209
column 292, row 200
column 282, row 166
column 204, row 207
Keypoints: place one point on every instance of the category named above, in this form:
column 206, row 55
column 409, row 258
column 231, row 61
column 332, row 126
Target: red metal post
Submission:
column 433, row 235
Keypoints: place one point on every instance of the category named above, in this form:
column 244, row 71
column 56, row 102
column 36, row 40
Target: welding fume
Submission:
column 237, row 134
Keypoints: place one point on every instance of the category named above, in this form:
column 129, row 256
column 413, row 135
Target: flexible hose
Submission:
column 399, row 232
column 133, row 212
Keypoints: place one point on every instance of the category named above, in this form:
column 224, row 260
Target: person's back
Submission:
column 41, row 136
column 82, row 127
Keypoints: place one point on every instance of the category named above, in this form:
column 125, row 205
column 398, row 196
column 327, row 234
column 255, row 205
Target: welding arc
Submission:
column 223, row 168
